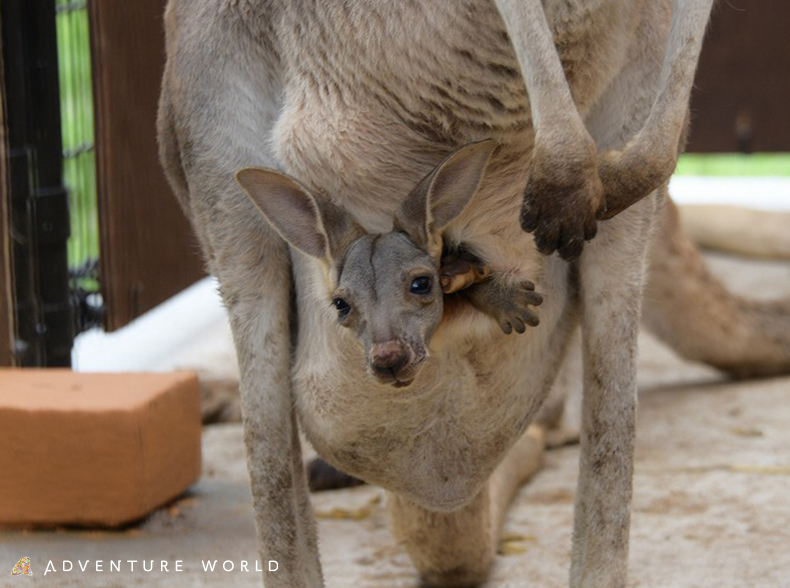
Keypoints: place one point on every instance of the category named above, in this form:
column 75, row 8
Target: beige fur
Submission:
column 738, row 230
column 754, row 339
column 358, row 101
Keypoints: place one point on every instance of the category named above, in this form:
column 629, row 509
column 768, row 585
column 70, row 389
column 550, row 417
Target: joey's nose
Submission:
column 387, row 359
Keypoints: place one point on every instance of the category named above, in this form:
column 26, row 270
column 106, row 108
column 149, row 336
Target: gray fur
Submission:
column 586, row 102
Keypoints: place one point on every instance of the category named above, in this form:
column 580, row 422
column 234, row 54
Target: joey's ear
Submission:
column 309, row 223
column 443, row 194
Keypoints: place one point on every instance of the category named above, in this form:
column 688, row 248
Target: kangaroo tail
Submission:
column 692, row 311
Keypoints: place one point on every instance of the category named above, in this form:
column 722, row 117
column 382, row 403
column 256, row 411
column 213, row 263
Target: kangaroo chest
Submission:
column 376, row 92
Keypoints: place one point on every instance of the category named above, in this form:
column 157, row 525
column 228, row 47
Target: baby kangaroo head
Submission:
column 383, row 287
column 388, row 295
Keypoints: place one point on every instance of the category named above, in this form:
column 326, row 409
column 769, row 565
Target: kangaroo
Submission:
column 389, row 288
column 585, row 103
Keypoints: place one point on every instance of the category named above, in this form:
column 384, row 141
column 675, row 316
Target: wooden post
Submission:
column 740, row 96
column 148, row 251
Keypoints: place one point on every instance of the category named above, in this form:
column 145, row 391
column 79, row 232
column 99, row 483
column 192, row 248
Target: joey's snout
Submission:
column 388, row 358
column 393, row 362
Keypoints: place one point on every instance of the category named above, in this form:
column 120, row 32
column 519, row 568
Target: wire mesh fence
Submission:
column 79, row 157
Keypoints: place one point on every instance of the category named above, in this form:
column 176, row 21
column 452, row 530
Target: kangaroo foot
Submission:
column 460, row 269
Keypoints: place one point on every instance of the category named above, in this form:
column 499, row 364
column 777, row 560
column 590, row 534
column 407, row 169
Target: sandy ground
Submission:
column 711, row 500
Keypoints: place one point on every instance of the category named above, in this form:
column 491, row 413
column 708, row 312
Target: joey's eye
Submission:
column 421, row 285
column 342, row 307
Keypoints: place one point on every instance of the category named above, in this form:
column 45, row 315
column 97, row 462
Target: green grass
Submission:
column 734, row 164
column 79, row 165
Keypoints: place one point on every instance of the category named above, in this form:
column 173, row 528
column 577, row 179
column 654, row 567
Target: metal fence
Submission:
column 79, row 156
column 38, row 206
column 51, row 181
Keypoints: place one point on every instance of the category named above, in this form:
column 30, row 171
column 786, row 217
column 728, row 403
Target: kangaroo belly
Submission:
column 437, row 440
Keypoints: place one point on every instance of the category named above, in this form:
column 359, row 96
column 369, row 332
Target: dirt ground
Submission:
column 711, row 499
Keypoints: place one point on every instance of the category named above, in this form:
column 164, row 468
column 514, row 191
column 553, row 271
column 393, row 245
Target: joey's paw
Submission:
column 513, row 313
column 561, row 205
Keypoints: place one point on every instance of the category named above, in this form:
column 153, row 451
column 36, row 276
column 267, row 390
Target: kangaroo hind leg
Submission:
column 457, row 549
column 219, row 102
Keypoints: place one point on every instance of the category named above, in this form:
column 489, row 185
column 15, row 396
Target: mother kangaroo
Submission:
column 585, row 102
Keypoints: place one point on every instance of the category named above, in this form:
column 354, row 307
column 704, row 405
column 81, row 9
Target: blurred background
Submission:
column 91, row 238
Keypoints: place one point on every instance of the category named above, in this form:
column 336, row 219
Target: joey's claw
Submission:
column 508, row 304
column 518, row 321
column 530, row 318
column 532, row 298
column 513, row 310
column 517, row 312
